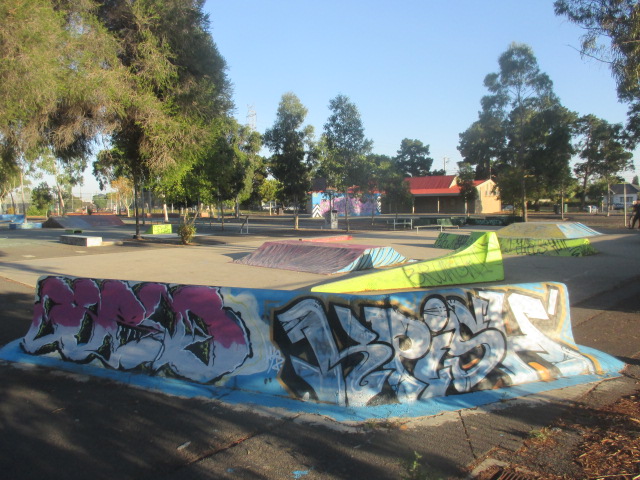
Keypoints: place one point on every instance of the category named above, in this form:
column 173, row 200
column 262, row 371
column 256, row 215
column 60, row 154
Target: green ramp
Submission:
column 454, row 241
column 560, row 247
column 479, row 262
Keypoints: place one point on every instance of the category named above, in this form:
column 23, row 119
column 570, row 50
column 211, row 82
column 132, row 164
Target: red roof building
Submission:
column 441, row 194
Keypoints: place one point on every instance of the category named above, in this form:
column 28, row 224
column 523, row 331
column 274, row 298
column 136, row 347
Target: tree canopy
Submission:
column 290, row 142
column 523, row 134
column 413, row 158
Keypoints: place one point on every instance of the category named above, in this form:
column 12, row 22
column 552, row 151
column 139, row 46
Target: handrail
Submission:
column 245, row 224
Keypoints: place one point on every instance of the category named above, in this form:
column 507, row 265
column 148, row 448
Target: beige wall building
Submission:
column 441, row 194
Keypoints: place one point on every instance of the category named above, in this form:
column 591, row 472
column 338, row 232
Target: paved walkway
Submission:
column 59, row 425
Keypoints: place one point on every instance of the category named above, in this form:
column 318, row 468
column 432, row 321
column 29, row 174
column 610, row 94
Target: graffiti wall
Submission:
column 341, row 349
column 363, row 206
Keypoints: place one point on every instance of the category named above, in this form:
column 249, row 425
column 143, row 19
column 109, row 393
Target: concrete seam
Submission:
column 233, row 444
column 466, row 434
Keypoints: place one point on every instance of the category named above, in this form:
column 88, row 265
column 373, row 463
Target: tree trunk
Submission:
column 346, row 210
column 295, row 212
column 135, row 207
column 165, row 212
column 222, row 215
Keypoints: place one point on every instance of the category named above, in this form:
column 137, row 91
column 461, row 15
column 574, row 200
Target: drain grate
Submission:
column 502, row 475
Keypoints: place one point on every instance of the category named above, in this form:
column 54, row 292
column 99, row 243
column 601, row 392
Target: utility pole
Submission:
column 445, row 160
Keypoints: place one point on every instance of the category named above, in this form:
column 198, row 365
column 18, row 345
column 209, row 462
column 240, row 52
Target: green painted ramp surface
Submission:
column 479, row 262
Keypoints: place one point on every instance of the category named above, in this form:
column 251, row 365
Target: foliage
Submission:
column 269, row 190
column 612, row 29
column 413, row 158
column 289, row 141
column 601, row 148
column 187, row 229
column 390, row 181
column 465, row 180
column 523, row 134
column 345, row 165
column 41, row 196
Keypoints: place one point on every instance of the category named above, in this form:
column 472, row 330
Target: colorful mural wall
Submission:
column 342, row 349
column 363, row 206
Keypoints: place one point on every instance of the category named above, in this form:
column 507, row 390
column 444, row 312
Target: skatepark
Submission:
column 608, row 277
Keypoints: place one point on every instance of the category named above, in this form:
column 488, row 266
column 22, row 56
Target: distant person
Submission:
column 635, row 210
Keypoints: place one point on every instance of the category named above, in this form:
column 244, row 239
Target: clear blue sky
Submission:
column 414, row 68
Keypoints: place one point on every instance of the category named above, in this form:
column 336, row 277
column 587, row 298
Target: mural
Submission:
column 343, row 349
column 363, row 206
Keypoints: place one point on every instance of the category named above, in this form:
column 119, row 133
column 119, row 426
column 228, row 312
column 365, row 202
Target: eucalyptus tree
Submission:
column 345, row 164
column 611, row 32
column 602, row 150
column 522, row 127
column 61, row 78
column 179, row 83
column 290, row 142
column 413, row 158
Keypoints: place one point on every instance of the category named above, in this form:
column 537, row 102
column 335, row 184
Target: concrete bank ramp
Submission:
column 83, row 221
column 346, row 356
column 479, row 261
column 321, row 257
column 561, row 247
column 567, row 230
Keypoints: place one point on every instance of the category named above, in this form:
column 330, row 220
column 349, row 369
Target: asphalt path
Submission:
column 58, row 425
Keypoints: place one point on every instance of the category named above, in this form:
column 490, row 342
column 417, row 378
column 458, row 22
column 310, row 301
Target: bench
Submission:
column 81, row 240
column 428, row 226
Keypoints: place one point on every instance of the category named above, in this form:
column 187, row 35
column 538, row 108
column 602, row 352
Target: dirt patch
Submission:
column 586, row 443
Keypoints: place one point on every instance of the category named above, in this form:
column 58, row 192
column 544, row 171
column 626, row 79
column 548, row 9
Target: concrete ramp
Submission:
column 83, row 221
column 480, row 261
column 321, row 257
column 560, row 247
column 345, row 356
column 566, row 230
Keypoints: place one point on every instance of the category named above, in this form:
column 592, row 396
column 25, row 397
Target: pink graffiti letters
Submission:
column 184, row 330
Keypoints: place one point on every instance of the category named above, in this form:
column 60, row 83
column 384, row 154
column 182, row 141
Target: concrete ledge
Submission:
column 24, row 226
column 81, row 240
column 159, row 229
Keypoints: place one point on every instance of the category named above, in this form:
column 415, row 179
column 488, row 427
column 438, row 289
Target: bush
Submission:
column 187, row 230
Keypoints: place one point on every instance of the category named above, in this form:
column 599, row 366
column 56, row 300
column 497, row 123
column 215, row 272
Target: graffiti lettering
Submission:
column 345, row 350
column 184, row 330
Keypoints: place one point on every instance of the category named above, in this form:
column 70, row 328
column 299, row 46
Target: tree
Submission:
column 522, row 128
column 413, row 158
column 601, row 149
column 289, row 142
column 612, row 28
column 61, row 83
column 179, row 82
column 391, row 183
column 465, row 180
column 635, row 180
column 345, row 165
column 124, row 193
column 41, row 196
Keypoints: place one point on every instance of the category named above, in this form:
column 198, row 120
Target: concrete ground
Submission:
column 62, row 425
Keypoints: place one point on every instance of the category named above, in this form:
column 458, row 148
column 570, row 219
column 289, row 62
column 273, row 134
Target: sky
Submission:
column 414, row 68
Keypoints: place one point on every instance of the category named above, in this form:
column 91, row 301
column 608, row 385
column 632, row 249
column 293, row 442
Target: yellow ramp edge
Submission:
column 479, row 262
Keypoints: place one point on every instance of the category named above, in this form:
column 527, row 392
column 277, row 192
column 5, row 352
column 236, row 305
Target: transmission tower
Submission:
column 252, row 117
